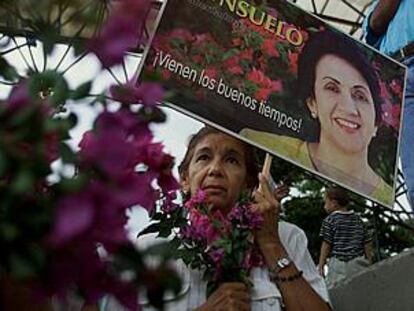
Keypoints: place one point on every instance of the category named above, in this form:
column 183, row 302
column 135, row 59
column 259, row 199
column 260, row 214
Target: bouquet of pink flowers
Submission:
column 222, row 246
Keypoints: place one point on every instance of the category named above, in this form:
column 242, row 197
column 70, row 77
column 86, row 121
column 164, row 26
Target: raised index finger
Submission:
column 264, row 186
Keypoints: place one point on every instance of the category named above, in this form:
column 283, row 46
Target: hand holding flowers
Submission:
column 222, row 246
column 229, row 296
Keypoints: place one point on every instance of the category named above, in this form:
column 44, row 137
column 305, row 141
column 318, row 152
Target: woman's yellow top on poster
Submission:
column 297, row 150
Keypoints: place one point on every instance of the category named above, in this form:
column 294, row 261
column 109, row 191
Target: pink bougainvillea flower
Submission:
column 110, row 216
column 391, row 115
column 74, row 215
column 202, row 228
column 125, row 122
column 253, row 219
column 200, row 224
column 121, row 32
column 217, row 255
column 166, row 180
column 51, row 146
column 146, row 93
column 113, row 159
column 86, row 140
column 19, row 96
column 135, row 188
column 196, row 199
column 153, row 155
column 245, row 217
column 169, row 206
column 95, row 214
column 150, row 93
column 253, row 259
column 117, row 36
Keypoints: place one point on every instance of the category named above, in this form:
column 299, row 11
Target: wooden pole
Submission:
column 266, row 165
column 266, row 168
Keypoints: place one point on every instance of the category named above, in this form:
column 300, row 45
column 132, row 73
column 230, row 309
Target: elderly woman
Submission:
column 223, row 167
column 340, row 90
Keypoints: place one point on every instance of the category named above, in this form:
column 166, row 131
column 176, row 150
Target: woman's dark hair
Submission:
column 252, row 169
column 332, row 42
column 338, row 194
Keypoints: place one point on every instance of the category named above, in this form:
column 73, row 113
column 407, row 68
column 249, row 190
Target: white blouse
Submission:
column 265, row 295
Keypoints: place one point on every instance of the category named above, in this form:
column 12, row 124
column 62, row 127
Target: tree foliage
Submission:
column 304, row 207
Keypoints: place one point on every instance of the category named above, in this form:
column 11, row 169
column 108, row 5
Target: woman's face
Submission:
column 218, row 167
column 344, row 105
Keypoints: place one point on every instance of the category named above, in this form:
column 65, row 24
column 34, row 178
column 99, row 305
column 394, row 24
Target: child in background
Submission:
column 346, row 241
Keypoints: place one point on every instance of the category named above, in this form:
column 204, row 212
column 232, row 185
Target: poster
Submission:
column 285, row 81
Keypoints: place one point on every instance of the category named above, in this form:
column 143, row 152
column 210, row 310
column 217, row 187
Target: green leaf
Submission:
column 67, row 154
column 23, row 182
column 164, row 250
column 82, row 91
column 7, row 71
column 20, row 267
column 62, row 125
column 23, row 117
column 165, row 231
column 153, row 228
column 101, row 98
column 78, row 47
column 158, row 216
column 185, row 254
column 8, row 232
column 50, row 84
column 151, row 76
column 3, row 164
column 49, row 34
column 74, row 184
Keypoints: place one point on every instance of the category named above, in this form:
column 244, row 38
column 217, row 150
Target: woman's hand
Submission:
column 228, row 297
column 269, row 207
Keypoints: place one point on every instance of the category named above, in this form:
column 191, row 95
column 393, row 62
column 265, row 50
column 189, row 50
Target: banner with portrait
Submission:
column 285, row 81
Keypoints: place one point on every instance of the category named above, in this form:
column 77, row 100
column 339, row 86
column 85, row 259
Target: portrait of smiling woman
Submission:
column 340, row 90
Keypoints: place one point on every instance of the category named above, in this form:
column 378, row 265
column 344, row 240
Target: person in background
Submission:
column 345, row 240
column 389, row 27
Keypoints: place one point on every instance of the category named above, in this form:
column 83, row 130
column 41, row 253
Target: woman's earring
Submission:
column 314, row 115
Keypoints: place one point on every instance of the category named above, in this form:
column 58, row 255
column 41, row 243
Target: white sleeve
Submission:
column 296, row 244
